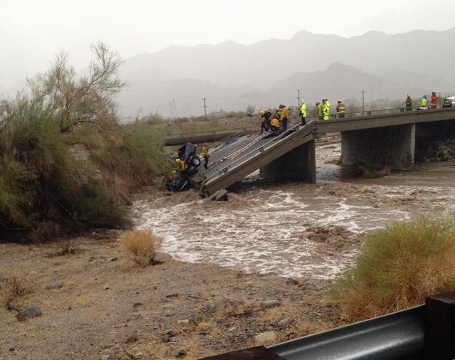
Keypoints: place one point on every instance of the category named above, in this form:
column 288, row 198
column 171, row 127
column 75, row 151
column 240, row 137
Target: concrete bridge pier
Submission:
column 298, row 164
column 392, row 147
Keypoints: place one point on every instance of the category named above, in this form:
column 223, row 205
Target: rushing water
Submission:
column 264, row 227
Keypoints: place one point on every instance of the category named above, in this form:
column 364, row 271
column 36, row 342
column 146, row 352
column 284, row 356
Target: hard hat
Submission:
column 177, row 160
column 205, row 144
column 339, row 101
column 302, row 101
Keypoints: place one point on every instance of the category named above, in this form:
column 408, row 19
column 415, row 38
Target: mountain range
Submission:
column 174, row 81
column 232, row 76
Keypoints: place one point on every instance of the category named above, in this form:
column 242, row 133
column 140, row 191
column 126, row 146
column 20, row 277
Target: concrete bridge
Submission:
column 376, row 140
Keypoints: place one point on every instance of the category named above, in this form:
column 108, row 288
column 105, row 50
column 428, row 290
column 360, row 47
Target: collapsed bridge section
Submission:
column 289, row 154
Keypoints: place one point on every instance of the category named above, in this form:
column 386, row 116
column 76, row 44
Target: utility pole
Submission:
column 298, row 98
column 363, row 102
column 205, row 109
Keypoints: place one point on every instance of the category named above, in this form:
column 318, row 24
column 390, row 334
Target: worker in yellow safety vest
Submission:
column 423, row 103
column 341, row 109
column 325, row 109
column 205, row 155
column 318, row 110
column 181, row 164
column 284, row 115
column 303, row 112
column 275, row 123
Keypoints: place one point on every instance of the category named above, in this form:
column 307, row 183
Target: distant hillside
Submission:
column 415, row 61
column 337, row 82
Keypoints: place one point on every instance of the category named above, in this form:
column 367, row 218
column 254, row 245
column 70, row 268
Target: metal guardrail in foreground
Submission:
column 395, row 336
column 425, row 332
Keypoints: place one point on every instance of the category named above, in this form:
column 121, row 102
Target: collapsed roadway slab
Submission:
column 264, row 151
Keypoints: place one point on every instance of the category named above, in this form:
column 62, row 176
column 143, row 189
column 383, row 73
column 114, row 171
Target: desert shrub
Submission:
column 250, row 110
column 13, row 287
column 132, row 338
column 44, row 187
column 399, row 267
column 142, row 246
column 64, row 247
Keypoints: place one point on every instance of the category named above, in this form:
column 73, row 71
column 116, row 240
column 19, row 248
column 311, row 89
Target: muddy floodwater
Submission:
column 292, row 229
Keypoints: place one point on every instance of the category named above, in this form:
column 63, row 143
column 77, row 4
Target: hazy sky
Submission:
column 33, row 31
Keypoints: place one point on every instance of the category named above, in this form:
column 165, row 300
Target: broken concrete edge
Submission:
column 220, row 195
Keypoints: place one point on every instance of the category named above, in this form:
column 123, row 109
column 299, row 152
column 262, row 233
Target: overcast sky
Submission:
column 32, row 32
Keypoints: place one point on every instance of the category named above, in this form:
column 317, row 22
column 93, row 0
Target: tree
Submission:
column 75, row 100
column 250, row 110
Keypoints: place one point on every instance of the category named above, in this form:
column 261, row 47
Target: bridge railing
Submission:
column 211, row 132
column 388, row 111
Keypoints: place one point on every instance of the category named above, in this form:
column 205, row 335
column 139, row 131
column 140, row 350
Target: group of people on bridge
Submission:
column 279, row 120
column 423, row 102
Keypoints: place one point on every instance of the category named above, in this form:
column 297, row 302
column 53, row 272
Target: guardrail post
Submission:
column 440, row 327
column 254, row 353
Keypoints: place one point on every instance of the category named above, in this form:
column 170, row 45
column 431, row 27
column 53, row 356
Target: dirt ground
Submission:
column 261, row 263
column 109, row 308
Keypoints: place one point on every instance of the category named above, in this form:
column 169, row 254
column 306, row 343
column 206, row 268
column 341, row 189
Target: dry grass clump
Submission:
column 13, row 287
column 142, row 246
column 63, row 248
column 398, row 268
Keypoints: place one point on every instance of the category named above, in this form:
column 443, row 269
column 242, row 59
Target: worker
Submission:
column 423, row 104
column 408, row 103
column 325, row 109
column 303, row 112
column 434, row 100
column 180, row 164
column 341, row 109
column 205, row 155
column 318, row 110
column 284, row 114
column 275, row 123
column 265, row 120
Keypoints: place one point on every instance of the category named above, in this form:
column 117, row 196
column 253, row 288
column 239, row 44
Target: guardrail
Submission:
column 358, row 114
column 426, row 332
column 210, row 132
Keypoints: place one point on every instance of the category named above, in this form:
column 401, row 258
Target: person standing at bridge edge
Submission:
column 408, row 103
column 423, row 104
column 434, row 100
column 265, row 120
column 318, row 110
column 205, row 155
column 325, row 109
column 341, row 109
column 284, row 117
column 303, row 112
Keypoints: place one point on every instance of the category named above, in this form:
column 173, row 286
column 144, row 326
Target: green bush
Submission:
column 56, row 143
column 399, row 267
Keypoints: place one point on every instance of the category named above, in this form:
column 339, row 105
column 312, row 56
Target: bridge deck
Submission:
column 242, row 157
